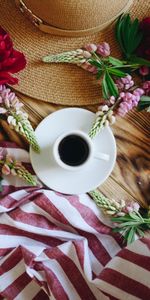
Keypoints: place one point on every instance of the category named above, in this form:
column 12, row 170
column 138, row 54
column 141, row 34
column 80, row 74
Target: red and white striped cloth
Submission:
column 59, row 247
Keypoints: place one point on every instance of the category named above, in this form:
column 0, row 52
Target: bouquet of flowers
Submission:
column 12, row 61
column 120, row 91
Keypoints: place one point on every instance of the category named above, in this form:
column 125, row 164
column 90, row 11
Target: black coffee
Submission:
column 73, row 150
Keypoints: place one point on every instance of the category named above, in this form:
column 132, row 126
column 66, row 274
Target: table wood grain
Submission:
column 130, row 179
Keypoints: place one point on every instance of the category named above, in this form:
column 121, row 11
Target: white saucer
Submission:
column 61, row 180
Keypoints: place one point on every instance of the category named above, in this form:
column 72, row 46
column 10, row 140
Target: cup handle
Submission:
column 102, row 156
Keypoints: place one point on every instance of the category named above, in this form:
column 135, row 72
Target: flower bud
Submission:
column 105, row 108
column 2, row 110
column 144, row 70
column 91, row 47
column 79, row 51
column 110, row 113
column 13, row 172
column 5, row 170
column 120, row 214
column 110, row 212
column 85, row 66
column 112, row 119
column 112, row 99
column 86, row 54
column 136, row 206
column 129, row 209
column 138, row 91
column 92, row 69
column 103, row 49
column 7, row 103
column 106, row 123
column 99, row 113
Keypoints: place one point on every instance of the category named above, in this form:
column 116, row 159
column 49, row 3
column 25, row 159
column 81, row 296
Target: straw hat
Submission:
column 45, row 27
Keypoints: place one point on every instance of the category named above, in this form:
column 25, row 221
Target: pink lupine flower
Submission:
column 86, row 54
column 91, row 48
column 112, row 99
column 3, row 110
column 125, row 83
column 88, row 67
column 5, row 170
column 3, row 153
column 144, row 70
column 103, row 49
column 128, row 100
column 136, row 206
column 146, row 87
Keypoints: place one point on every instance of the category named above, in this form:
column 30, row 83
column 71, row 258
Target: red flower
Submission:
column 144, row 48
column 11, row 60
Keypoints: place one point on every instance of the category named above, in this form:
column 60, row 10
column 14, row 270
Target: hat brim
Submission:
column 56, row 83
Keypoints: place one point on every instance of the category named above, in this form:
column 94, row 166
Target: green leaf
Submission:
column 134, row 216
column 115, row 62
column 116, row 72
column 130, row 237
column 143, row 103
column 99, row 74
column 139, row 232
column 130, row 223
column 141, row 61
column 118, row 33
column 128, row 34
column 121, row 219
column 113, row 90
column 134, row 28
column 125, row 30
column 105, row 89
column 135, row 36
column 95, row 63
column 145, row 99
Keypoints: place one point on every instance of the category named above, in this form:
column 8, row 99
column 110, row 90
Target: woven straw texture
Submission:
column 57, row 83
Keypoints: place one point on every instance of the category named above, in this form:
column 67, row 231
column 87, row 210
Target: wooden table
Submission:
column 130, row 179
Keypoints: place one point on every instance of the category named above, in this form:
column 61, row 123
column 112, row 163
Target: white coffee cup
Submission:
column 92, row 154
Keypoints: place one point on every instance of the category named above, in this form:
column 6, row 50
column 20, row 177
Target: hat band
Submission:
column 41, row 25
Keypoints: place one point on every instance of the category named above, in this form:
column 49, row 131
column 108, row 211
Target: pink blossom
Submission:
column 5, row 170
column 86, row 54
column 139, row 92
column 3, row 110
column 112, row 99
column 3, row 153
column 91, row 47
column 125, row 83
column 128, row 100
column 103, row 49
column 88, row 67
column 146, row 87
column 129, row 209
column 8, row 100
column 144, row 70
column 136, row 206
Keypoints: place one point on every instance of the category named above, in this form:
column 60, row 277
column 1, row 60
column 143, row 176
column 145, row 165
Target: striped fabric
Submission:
column 59, row 247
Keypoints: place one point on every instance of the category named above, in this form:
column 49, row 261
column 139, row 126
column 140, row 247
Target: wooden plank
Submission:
column 130, row 179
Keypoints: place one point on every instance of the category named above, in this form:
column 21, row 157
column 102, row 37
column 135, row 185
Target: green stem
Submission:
column 97, row 57
column 125, row 66
column 101, row 61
